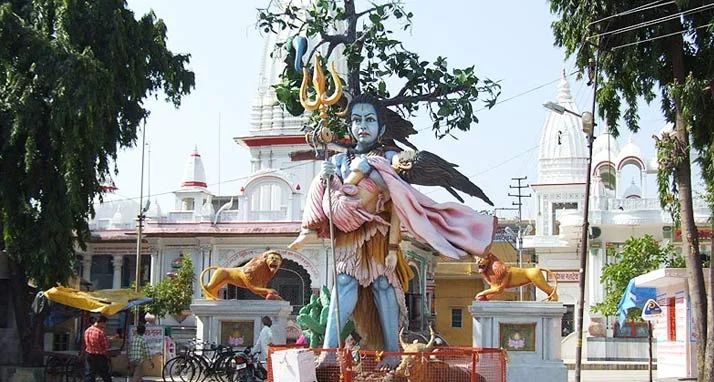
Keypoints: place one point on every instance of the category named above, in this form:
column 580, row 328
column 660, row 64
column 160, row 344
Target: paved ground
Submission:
column 586, row 376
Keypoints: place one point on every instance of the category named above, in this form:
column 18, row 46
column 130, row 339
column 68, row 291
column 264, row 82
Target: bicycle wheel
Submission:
column 179, row 369
column 225, row 367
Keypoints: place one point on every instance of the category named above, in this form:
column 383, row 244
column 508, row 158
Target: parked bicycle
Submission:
column 200, row 362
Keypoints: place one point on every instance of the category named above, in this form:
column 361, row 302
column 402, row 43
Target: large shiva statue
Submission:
column 366, row 195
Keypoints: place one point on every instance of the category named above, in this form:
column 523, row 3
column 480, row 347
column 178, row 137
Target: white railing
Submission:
column 267, row 215
column 634, row 204
column 229, row 216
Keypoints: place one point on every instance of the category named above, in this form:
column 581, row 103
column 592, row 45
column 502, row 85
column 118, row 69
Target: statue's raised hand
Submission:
column 328, row 170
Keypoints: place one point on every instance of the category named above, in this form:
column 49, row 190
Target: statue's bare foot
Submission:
column 306, row 236
column 326, row 359
column 388, row 363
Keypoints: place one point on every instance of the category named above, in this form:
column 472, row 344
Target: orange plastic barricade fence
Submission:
column 444, row 364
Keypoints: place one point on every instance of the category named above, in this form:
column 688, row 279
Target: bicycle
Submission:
column 195, row 365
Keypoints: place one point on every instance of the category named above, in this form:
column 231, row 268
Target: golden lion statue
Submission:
column 254, row 276
column 500, row 276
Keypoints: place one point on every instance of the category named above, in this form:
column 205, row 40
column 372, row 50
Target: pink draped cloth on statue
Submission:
column 454, row 230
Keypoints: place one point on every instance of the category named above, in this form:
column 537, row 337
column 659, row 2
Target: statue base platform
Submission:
column 529, row 331
column 238, row 322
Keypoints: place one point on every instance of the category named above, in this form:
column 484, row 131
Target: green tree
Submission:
column 639, row 255
column 73, row 79
column 665, row 47
column 172, row 294
column 375, row 59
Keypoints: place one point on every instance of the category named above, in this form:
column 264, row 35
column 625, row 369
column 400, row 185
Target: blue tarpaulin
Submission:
column 634, row 297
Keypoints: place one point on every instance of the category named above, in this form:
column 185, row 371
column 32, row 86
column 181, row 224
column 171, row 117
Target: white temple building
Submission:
column 619, row 209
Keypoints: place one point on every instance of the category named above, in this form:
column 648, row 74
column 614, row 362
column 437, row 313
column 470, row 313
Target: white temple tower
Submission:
column 193, row 196
column 562, row 162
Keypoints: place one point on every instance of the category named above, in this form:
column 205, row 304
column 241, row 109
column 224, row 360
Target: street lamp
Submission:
column 588, row 127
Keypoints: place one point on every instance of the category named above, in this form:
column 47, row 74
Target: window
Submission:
column 102, row 272
column 456, row 318
column 556, row 211
column 60, row 342
column 567, row 322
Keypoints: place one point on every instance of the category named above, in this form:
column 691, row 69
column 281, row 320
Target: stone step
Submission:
column 609, row 365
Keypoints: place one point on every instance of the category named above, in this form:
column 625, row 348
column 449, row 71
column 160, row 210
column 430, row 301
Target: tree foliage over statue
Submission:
column 74, row 76
column 376, row 59
column 664, row 49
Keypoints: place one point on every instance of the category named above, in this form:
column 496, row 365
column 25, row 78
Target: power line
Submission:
column 654, row 22
column 659, row 37
column 531, row 90
column 223, row 182
column 645, row 7
column 491, row 168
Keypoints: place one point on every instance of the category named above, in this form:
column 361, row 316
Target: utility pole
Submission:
column 519, row 203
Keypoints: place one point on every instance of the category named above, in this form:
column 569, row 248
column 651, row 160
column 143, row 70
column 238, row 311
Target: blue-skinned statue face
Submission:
column 364, row 125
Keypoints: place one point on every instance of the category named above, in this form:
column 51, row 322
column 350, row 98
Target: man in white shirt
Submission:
column 265, row 338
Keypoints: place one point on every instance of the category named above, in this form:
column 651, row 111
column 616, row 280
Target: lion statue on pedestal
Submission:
column 500, row 276
column 254, row 276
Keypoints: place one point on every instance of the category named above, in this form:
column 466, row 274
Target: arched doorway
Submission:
column 414, row 301
column 292, row 283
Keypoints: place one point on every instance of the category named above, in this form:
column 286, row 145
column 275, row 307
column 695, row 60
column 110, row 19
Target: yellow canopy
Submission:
column 107, row 301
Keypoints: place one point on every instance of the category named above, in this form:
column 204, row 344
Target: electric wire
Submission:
column 653, row 22
column 645, row 7
column 514, row 96
column 659, row 37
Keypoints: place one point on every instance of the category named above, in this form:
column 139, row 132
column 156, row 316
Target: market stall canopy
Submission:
column 107, row 301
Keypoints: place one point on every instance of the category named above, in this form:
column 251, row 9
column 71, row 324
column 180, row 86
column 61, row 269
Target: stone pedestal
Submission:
column 529, row 331
column 238, row 322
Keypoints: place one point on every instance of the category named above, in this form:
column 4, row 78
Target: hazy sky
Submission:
column 507, row 41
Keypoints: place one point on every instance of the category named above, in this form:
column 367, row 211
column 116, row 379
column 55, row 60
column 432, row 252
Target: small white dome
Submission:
column 606, row 144
column 633, row 191
column 117, row 218
column 154, row 209
column 631, row 154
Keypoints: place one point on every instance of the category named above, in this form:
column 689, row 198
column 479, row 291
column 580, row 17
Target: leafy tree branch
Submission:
column 374, row 58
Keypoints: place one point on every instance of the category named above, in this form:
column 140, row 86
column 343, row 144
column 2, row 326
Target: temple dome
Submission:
column 605, row 149
column 633, row 191
column 563, row 148
column 631, row 153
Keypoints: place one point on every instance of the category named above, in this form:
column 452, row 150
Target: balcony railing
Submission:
column 279, row 215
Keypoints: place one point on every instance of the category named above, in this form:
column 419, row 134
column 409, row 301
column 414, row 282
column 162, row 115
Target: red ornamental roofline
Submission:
column 195, row 154
column 276, row 140
column 194, row 183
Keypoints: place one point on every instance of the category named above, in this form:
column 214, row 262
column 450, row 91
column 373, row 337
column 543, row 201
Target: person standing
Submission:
column 138, row 353
column 96, row 344
column 265, row 338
